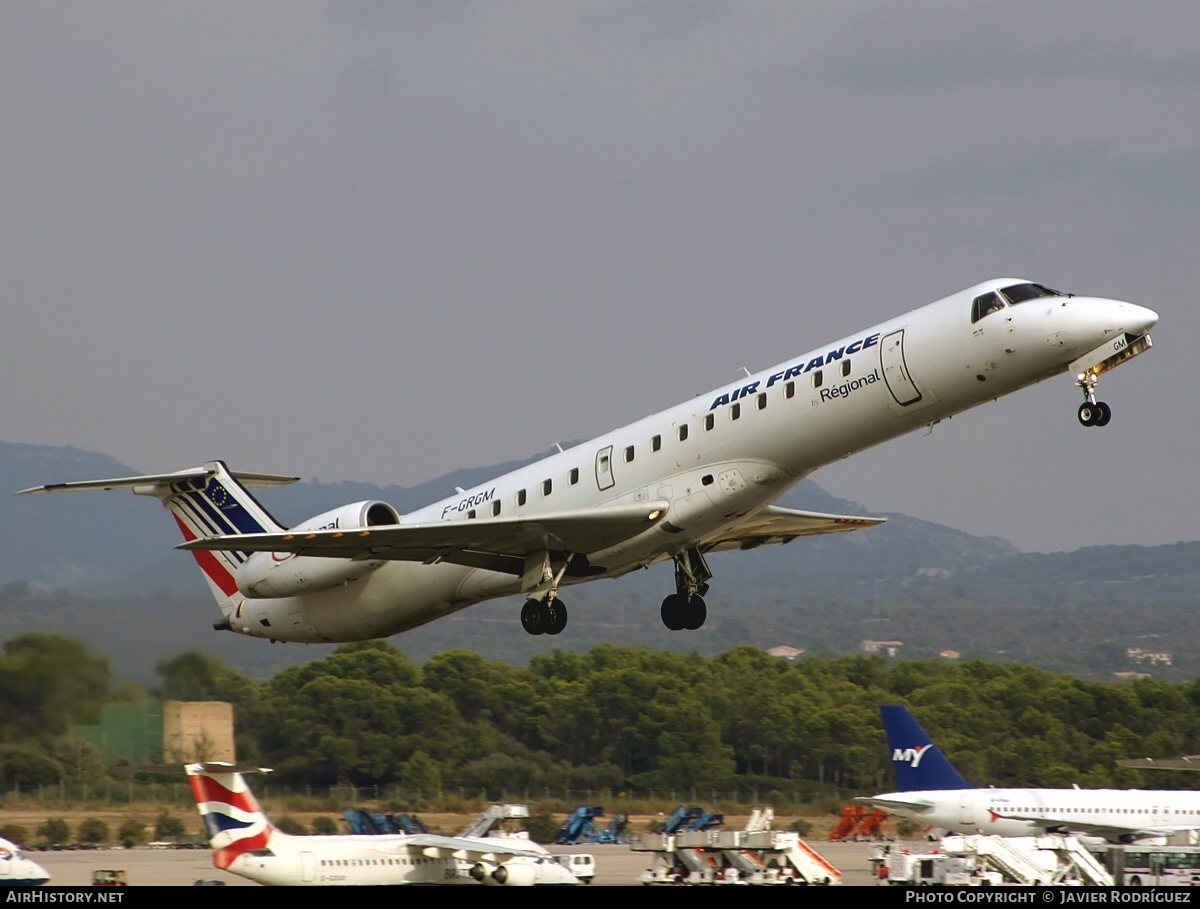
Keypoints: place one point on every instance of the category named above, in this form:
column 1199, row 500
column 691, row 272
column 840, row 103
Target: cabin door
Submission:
column 895, row 372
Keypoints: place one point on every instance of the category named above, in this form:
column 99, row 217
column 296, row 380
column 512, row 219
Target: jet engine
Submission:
column 265, row 575
column 516, row 872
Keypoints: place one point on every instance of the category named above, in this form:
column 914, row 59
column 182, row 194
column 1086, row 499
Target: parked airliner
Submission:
column 244, row 842
column 935, row 794
column 694, row 479
column 17, row 869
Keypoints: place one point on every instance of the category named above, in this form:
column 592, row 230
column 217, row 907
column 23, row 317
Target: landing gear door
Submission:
column 895, row 372
column 604, row 474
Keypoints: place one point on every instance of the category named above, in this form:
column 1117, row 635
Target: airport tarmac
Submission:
column 616, row 866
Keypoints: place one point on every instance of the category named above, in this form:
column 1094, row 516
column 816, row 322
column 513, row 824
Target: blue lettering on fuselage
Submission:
column 792, row 371
column 470, row 502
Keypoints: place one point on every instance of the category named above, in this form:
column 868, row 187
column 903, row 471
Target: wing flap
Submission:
column 472, row 542
column 775, row 524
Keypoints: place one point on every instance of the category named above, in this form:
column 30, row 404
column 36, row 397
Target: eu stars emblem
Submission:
column 217, row 494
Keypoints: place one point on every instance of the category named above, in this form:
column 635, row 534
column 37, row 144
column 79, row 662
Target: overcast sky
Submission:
column 380, row 241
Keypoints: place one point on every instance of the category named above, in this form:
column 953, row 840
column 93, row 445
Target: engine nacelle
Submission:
column 516, row 872
column 265, row 575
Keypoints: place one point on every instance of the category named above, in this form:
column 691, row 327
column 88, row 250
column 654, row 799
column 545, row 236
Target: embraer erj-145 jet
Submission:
column 246, row 843
column 933, row 793
column 693, row 479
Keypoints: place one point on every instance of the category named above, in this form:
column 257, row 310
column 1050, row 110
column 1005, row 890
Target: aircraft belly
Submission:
column 397, row 597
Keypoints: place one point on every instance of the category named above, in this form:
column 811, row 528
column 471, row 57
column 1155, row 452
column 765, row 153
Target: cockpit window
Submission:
column 985, row 305
column 1020, row 293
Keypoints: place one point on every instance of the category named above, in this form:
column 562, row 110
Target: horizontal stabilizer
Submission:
column 774, row 524
column 163, row 480
column 896, row 802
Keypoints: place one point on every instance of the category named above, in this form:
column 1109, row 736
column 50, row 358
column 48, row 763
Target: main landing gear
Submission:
column 1091, row 411
column 685, row 608
column 548, row 616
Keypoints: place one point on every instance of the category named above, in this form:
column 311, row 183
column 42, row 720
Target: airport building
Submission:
column 173, row 732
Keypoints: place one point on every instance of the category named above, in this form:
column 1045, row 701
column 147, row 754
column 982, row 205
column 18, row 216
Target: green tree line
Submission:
column 616, row 718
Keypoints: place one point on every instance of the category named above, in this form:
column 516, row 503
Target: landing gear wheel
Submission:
column 535, row 617
column 673, row 611
column 1094, row 414
column 694, row 614
column 558, row 617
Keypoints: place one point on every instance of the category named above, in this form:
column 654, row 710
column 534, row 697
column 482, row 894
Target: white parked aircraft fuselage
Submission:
column 875, row 385
column 1028, row 812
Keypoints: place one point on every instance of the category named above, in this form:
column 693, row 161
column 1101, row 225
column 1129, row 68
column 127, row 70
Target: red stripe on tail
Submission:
column 210, row 564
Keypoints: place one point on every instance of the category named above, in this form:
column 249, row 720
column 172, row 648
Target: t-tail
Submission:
column 919, row 763
column 233, row 819
column 205, row 501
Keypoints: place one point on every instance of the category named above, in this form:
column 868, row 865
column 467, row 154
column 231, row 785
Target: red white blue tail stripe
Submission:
column 232, row 817
column 217, row 505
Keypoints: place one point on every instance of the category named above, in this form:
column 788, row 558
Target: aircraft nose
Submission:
column 1139, row 319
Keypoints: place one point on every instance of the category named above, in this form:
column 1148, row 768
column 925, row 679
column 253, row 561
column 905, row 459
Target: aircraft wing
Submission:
column 472, row 850
column 1076, row 825
column 499, row 544
column 774, row 524
column 1186, row 762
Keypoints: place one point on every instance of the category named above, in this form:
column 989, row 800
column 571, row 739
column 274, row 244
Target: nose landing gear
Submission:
column 1091, row 411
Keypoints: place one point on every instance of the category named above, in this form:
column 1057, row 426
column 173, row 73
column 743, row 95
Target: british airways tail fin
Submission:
column 232, row 817
column 918, row 763
column 205, row 501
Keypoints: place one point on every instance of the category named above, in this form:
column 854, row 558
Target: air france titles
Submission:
column 827, row 394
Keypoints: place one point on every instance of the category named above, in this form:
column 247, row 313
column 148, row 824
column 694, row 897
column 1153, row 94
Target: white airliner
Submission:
column 17, row 869
column 245, row 843
column 933, row 793
column 687, row 481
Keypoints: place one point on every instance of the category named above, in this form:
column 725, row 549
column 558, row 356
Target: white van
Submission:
column 580, row 864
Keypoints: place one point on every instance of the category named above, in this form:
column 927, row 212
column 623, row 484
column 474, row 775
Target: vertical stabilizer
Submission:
column 233, row 819
column 216, row 504
column 918, row 763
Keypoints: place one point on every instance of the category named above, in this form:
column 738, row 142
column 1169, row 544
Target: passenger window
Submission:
column 683, row 433
column 985, row 306
column 547, row 486
column 471, row 514
column 789, row 390
column 656, row 443
column 709, row 422
column 845, row 368
column 573, row 476
column 817, row 378
column 628, row 453
column 735, row 411
column 521, row 497
column 762, row 400
column 496, row 509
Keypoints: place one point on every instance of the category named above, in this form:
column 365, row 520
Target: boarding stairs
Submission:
column 493, row 818
column 1043, row 860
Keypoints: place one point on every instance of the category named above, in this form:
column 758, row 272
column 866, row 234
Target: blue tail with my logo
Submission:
column 918, row 763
